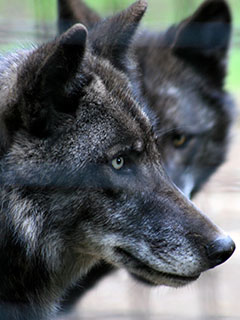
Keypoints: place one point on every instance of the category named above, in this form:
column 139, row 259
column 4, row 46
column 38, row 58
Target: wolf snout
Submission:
column 220, row 250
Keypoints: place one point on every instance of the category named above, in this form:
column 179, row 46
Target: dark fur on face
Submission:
column 82, row 179
column 182, row 73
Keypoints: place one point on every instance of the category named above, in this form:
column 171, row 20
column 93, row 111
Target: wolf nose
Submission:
column 220, row 250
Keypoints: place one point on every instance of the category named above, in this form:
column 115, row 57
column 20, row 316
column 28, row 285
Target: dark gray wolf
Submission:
column 82, row 178
column 182, row 73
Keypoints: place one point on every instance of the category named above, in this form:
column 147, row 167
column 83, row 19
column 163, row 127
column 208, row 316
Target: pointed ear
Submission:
column 43, row 79
column 75, row 11
column 46, row 78
column 112, row 37
column 203, row 39
column 62, row 60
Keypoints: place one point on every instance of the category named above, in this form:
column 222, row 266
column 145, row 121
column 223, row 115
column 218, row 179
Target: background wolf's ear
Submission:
column 75, row 11
column 112, row 37
column 45, row 79
column 203, row 39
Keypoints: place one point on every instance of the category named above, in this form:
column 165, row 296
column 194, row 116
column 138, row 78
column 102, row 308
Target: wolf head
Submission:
column 184, row 71
column 81, row 175
column 182, row 77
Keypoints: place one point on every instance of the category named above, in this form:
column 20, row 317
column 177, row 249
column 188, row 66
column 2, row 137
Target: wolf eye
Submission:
column 179, row 140
column 118, row 163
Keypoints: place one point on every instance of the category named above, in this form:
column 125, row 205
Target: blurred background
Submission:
column 215, row 295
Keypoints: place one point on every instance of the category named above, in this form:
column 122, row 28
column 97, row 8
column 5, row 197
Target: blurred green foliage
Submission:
column 17, row 19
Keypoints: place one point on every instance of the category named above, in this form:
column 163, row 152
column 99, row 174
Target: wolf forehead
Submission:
column 105, row 99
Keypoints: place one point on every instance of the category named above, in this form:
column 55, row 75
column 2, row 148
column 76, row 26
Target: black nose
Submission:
column 220, row 250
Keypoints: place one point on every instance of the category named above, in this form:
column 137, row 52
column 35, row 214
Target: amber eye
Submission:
column 118, row 163
column 179, row 140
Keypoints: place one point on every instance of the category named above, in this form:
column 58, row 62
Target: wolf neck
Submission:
column 45, row 270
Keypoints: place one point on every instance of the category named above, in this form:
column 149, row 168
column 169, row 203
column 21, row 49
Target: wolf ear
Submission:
column 112, row 37
column 43, row 82
column 203, row 39
column 75, row 11
column 62, row 58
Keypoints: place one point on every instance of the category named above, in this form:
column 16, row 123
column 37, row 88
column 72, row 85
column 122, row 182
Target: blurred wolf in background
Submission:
column 181, row 75
column 82, row 178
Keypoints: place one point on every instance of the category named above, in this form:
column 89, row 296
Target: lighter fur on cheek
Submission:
column 188, row 184
column 29, row 228
column 170, row 90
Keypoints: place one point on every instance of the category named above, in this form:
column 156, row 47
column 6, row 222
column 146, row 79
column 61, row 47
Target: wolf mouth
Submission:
column 143, row 267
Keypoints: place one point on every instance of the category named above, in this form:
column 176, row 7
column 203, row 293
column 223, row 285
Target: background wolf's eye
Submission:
column 179, row 140
column 118, row 163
